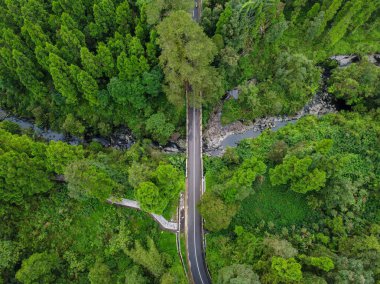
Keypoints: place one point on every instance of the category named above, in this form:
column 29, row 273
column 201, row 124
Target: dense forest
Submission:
column 84, row 66
column 64, row 232
column 274, row 52
column 299, row 205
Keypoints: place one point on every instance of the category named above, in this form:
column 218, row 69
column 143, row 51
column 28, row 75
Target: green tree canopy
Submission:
column 60, row 154
column 302, row 179
column 9, row 254
column 148, row 195
column 358, row 85
column 186, row 57
column 88, row 179
column 285, row 270
column 216, row 213
column 156, row 189
column 38, row 268
column 159, row 127
column 21, row 176
column 150, row 258
column 99, row 273
column 238, row 273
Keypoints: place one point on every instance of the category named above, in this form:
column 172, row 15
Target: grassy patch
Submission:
column 183, row 249
column 273, row 204
column 167, row 244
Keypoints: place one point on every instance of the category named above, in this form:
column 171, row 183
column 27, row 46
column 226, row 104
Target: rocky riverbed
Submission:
column 346, row 60
column 120, row 139
column 217, row 137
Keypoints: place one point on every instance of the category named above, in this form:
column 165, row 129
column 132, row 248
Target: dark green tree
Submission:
column 38, row 268
column 181, row 39
column 159, row 127
column 238, row 273
column 86, row 179
column 216, row 213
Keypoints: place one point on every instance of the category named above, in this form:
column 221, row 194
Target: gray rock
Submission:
column 3, row 114
column 217, row 136
column 345, row 60
column 171, row 149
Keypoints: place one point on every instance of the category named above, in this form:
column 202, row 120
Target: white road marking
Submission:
column 195, row 247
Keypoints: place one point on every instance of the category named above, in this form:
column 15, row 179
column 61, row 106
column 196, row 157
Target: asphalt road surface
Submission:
column 193, row 221
column 195, row 252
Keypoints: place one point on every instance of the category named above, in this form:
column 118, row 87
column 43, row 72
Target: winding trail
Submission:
column 164, row 224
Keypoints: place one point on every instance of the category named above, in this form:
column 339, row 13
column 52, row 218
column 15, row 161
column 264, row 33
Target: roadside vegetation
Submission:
column 272, row 51
column 300, row 205
column 56, row 226
column 311, row 215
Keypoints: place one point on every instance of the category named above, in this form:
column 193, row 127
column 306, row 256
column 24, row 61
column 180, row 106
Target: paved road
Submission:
column 193, row 221
column 194, row 230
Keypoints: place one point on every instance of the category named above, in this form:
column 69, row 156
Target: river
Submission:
column 216, row 136
column 116, row 140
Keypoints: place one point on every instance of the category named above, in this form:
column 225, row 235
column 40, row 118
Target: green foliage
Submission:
column 99, row 273
column 279, row 206
column 156, row 10
column 59, row 155
column 350, row 269
column 297, row 172
column 148, row 195
column 59, row 62
column 9, row 254
column 149, row 258
column 180, row 40
column 164, row 186
column 10, row 127
column 330, row 230
column 160, row 128
column 270, row 49
column 357, row 85
column 38, row 268
column 323, row 262
column 133, row 276
column 210, row 208
column 48, row 237
column 282, row 248
column 86, row 179
column 240, row 185
column 21, row 176
column 73, row 126
column 238, row 273
column 286, row 87
column 285, row 270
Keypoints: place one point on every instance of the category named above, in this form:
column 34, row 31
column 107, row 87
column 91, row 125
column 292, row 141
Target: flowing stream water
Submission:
column 217, row 137
column 50, row 135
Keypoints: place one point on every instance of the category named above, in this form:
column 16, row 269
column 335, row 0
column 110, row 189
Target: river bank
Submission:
column 121, row 139
column 217, row 137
